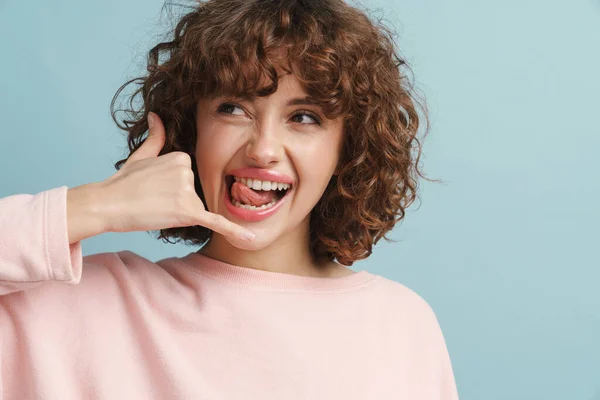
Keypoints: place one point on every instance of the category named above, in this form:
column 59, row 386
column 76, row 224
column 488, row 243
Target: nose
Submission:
column 265, row 147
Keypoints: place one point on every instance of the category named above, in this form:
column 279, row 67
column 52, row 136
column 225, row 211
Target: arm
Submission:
column 40, row 234
column 40, row 240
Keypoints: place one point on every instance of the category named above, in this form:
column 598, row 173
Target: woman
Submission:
column 280, row 137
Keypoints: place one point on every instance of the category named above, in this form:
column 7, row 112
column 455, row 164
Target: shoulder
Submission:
column 107, row 278
column 404, row 304
column 399, row 294
column 411, row 317
column 123, row 265
column 124, row 273
column 417, row 334
column 114, row 288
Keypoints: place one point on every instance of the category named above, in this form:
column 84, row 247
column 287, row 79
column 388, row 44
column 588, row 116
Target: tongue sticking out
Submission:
column 245, row 195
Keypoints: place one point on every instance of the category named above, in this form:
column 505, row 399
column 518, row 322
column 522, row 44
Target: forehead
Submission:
column 288, row 85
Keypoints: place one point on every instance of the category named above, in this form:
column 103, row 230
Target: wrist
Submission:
column 98, row 207
column 86, row 212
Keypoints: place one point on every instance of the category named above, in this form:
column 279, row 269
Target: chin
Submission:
column 260, row 242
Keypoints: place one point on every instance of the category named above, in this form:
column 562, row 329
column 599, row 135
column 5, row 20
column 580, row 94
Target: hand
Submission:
column 152, row 192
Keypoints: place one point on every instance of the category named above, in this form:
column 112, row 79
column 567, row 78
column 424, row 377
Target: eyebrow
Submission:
column 302, row 100
column 292, row 102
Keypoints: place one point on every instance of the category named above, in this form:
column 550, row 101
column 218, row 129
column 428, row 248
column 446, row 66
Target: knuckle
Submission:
column 189, row 189
column 186, row 173
column 186, row 178
column 182, row 158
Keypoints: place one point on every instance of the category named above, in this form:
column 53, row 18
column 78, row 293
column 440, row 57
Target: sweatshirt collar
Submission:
column 273, row 281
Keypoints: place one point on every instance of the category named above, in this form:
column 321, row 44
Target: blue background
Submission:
column 505, row 251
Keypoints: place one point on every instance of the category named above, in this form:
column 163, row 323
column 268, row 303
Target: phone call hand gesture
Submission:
column 151, row 192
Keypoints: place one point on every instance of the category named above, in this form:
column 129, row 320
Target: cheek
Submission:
column 204, row 161
column 324, row 156
column 316, row 168
column 210, row 162
column 212, row 149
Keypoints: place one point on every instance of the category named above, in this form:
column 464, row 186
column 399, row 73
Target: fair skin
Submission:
column 268, row 133
column 152, row 192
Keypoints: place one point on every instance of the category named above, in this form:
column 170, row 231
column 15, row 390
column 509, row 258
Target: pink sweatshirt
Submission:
column 119, row 326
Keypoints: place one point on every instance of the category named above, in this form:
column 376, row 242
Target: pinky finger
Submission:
column 222, row 225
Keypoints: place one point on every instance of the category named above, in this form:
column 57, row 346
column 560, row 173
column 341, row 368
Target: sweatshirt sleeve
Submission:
column 444, row 375
column 34, row 243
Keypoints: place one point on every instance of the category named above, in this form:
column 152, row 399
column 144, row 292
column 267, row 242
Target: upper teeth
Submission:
column 262, row 185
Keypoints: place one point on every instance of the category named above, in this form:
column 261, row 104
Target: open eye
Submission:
column 310, row 115
column 225, row 107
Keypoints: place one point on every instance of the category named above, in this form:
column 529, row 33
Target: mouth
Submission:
column 256, row 195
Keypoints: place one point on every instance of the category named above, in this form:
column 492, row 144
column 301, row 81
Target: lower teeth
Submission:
column 250, row 207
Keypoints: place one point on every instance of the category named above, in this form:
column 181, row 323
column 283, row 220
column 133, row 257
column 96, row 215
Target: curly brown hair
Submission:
column 344, row 60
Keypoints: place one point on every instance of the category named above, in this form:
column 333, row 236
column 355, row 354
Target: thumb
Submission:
column 155, row 141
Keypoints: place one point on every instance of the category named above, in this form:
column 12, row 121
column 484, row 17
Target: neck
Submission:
column 289, row 254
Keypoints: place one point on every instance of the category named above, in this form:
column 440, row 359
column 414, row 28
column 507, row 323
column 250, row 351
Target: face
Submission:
column 267, row 139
